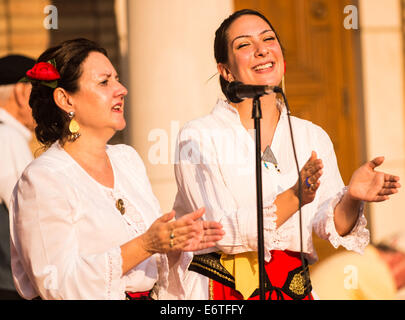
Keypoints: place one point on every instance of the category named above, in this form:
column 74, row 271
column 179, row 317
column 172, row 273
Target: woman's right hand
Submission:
column 189, row 233
column 310, row 174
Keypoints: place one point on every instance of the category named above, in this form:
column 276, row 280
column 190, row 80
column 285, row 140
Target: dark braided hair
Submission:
column 53, row 122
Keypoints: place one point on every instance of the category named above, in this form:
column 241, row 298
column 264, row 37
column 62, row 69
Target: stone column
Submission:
column 170, row 59
column 383, row 79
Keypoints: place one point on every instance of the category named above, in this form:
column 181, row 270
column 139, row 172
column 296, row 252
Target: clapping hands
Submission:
column 310, row 174
column 189, row 233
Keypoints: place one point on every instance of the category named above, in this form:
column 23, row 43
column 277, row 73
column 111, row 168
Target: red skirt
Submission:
column 284, row 272
column 138, row 295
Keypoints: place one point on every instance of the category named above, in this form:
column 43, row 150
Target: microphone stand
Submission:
column 257, row 115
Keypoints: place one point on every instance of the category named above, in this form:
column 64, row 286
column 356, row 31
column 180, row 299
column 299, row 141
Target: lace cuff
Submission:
column 276, row 238
column 359, row 236
column 114, row 282
column 269, row 224
column 269, row 215
column 273, row 238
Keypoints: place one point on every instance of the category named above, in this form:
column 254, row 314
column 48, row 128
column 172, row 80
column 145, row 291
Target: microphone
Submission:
column 237, row 91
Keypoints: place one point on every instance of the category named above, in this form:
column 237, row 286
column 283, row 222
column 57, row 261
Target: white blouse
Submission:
column 66, row 231
column 215, row 168
column 15, row 153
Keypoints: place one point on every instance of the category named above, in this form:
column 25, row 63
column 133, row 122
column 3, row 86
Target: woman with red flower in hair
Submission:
column 84, row 222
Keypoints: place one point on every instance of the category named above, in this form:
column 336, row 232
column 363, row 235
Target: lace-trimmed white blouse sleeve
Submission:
column 66, row 230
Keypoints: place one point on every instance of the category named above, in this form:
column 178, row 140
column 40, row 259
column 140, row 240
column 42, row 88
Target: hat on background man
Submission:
column 13, row 67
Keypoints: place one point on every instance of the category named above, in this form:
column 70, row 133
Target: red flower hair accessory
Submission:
column 44, row 73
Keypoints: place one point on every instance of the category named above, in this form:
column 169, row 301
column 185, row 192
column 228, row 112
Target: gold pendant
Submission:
column 268, row 156
column 119, row 204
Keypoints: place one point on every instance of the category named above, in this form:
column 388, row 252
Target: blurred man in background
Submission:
column 16, row 126
column 378, row 274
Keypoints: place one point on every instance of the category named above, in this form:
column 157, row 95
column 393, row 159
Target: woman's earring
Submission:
column 230, row 78
column 73, row 127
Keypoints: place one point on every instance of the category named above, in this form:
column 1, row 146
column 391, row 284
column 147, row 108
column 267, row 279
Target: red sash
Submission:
column 138, row 295
column 283, row 271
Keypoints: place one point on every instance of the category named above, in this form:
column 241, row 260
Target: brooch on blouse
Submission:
column 268, row 157
column 119, row 204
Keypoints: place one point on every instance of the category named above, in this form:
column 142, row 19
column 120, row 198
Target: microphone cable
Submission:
column 279, row 90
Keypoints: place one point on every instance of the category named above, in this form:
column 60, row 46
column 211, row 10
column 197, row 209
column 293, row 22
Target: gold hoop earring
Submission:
column 73, row 128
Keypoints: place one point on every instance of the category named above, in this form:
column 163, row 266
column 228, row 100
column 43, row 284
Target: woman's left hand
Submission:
column 369, row 185
column 193, row 234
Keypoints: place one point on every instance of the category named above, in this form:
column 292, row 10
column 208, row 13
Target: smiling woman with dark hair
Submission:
column 85, row 223
column 216, row 169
